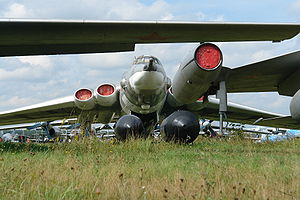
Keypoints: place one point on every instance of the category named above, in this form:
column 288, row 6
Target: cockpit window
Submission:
column 145, row 59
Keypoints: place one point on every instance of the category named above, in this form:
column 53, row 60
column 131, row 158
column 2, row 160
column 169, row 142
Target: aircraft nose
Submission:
column 150, row 66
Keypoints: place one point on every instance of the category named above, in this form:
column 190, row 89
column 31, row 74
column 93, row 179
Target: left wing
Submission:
column 242, row 114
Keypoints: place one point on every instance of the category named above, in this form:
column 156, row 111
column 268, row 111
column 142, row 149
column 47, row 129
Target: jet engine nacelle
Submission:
column 84, row 99
column 295, row 106
column 106, row 94
column 196, row 73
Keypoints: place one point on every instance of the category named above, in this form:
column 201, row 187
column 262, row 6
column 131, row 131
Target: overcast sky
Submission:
column 29, row 80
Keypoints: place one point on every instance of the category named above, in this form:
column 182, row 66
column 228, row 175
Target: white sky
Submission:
column 28, row 80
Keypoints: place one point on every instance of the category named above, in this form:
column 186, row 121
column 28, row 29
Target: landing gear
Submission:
column 222, row 96
column 180, row 126
column 129, row 126
column 85, row 120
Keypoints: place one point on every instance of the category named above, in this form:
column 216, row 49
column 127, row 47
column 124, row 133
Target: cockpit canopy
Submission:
column 145, row 59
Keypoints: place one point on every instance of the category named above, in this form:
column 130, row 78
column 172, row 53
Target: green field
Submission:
column 143, row 169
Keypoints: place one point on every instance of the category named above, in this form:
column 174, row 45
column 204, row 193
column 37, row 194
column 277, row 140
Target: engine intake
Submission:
column 84, row 99
column 196, row 74
column 208, row 56
column 106, row 94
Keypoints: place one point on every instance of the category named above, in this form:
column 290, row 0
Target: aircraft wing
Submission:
column 285, row 122
column 57, row 109
column 27, row 125
column 278, row 74
column 243, row 114
column 45, row 37
column 63, row 108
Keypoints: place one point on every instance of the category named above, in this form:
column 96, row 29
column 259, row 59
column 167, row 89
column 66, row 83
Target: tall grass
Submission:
column 143, row 169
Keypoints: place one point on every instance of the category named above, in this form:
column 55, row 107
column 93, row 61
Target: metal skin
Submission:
column 143, row 94
column 143, row 91
column 106, row 100
column 295, row 106
column 207, row 128
column 144, row 86
column 87, row 104
column 45, row 37
column 54, row 132
column 51, row 131
column 192, row 81
column 181, row 126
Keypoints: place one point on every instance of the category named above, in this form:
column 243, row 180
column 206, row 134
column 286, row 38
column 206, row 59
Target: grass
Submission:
column 143, row 169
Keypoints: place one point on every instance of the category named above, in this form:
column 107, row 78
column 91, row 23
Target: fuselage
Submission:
column 144, row 87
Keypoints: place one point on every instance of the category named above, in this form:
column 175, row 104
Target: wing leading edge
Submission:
column 63, row 108
column 57, row 109
column 45, row 37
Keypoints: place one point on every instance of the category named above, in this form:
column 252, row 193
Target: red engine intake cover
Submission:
column 106, row 90
column 208, row 56
column 83, row 94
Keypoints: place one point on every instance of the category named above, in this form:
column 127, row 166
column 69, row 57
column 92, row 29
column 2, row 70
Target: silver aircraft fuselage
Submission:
column 144, row 87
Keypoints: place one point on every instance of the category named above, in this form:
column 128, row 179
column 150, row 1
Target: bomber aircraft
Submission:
column 145, row 95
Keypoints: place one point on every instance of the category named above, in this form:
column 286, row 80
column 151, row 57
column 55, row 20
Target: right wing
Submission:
column 57, row 109
column 63, row 108
column 45, row 37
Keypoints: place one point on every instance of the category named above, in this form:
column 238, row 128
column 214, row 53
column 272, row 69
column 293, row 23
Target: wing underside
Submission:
column 278, row 74
column 45, row 37
column 244, row 114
